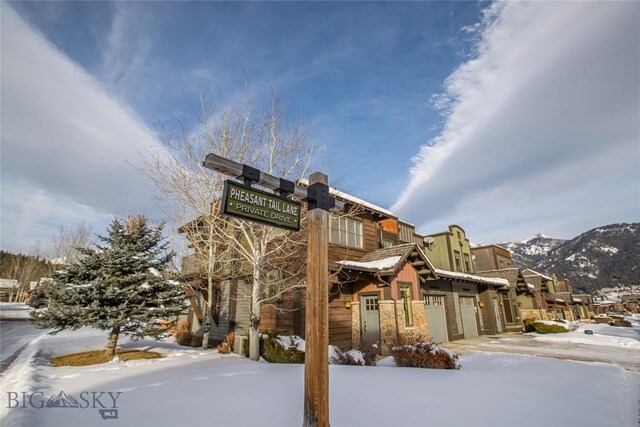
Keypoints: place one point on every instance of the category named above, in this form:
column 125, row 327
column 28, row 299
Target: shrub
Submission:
column 184, row 336
column 188, row 338
column 245, row 346
column 528, row 325
column 424, row 355
column 340, row 356
column 226, row 346
column 272, row 350
column 370, row 354
column 621, row 323
column 546, row 328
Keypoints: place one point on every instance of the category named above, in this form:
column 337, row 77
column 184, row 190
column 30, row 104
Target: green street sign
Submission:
column 259, row 206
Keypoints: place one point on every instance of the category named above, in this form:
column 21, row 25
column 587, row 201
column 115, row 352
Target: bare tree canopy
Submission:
column 261, row 136
column 63, row 246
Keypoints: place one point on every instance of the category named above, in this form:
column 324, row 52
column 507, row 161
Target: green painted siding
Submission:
column 526, row 302
column 442, row 252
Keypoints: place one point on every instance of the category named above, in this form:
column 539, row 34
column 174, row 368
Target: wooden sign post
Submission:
column 316, row 364
column 252, row 205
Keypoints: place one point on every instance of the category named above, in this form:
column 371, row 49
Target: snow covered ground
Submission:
column 603, row 334
column 191, row 387
column 14, row 311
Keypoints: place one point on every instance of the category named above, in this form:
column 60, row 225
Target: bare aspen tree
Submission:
column 226, row 248
column 63, row 246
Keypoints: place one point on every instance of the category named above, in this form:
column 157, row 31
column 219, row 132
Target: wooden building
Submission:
column 382, row 292
column 518, row 298
column 490, row 257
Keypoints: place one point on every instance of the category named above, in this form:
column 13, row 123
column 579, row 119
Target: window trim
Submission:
column 406, row 288
column 467, row 262
column 457, row 262
column 344, row 234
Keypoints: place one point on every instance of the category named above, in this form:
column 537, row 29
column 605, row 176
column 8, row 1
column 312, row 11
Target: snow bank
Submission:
column 238, row 392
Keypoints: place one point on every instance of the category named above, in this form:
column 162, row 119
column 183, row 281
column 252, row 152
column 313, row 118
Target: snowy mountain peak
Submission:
column 604, row 256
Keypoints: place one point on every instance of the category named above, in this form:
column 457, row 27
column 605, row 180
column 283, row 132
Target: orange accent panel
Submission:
column 390, row 225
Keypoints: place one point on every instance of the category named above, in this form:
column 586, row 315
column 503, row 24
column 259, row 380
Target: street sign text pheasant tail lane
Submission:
column 251, row 204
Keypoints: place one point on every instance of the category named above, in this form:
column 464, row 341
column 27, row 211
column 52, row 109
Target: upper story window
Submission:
column 467, row 263
column 387, row 243
column 457, row 260
column 345, row 232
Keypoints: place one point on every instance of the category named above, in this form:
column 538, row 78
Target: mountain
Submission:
column 602, row 257
column 531, row 251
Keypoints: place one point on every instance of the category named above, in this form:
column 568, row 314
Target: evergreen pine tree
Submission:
column 118, row 286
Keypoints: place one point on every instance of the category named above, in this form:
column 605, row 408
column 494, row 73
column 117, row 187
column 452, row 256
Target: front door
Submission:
column 436, row 317
column 468, row 312
column 370, row 319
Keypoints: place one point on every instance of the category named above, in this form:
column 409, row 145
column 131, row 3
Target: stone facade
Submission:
column 534, row 314
column 355, row 324
column 392, row 323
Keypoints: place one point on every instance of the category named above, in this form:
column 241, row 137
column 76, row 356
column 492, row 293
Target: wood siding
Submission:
column 369, row 243
column 286, row 316
column 340, row 316
column 407, row 274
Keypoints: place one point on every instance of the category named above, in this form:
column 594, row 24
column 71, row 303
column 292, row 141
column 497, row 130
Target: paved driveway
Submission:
column 628, row 358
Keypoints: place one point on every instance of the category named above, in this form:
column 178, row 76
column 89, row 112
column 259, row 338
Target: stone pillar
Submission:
column 420, row 322
column 355, row 324
column 388, row 325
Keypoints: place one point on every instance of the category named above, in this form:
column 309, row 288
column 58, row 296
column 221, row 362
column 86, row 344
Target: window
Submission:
column 387, row 243
column 467, row 263
column 345, row 231
column 405, row 296
column 458, row 261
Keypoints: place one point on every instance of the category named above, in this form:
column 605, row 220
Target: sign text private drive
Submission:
column 256, row 205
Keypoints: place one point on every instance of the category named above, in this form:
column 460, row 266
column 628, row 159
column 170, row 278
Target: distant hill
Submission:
column 602, row 257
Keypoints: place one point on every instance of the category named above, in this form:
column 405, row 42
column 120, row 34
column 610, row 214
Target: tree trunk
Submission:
column 254, row 318
column 113, row 341
column 207, row 315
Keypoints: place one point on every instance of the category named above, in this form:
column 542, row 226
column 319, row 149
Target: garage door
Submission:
column 468, row 313
column 437, row 318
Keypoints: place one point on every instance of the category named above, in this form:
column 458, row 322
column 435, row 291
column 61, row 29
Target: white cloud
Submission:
column 67, row 147
column 541, row 131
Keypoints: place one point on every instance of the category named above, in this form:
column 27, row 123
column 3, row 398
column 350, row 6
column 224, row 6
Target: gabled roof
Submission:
column 513, row 275
column 529, row 272
column 387, row 261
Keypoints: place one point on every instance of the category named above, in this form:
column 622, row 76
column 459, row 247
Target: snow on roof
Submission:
column 379, row 265
column 352, row 199
column 539, row 274
column 559, row 300
column 488, row 280
column 604, row 302
column 8, row 283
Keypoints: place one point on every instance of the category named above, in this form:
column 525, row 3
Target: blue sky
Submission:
column 537, row 101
